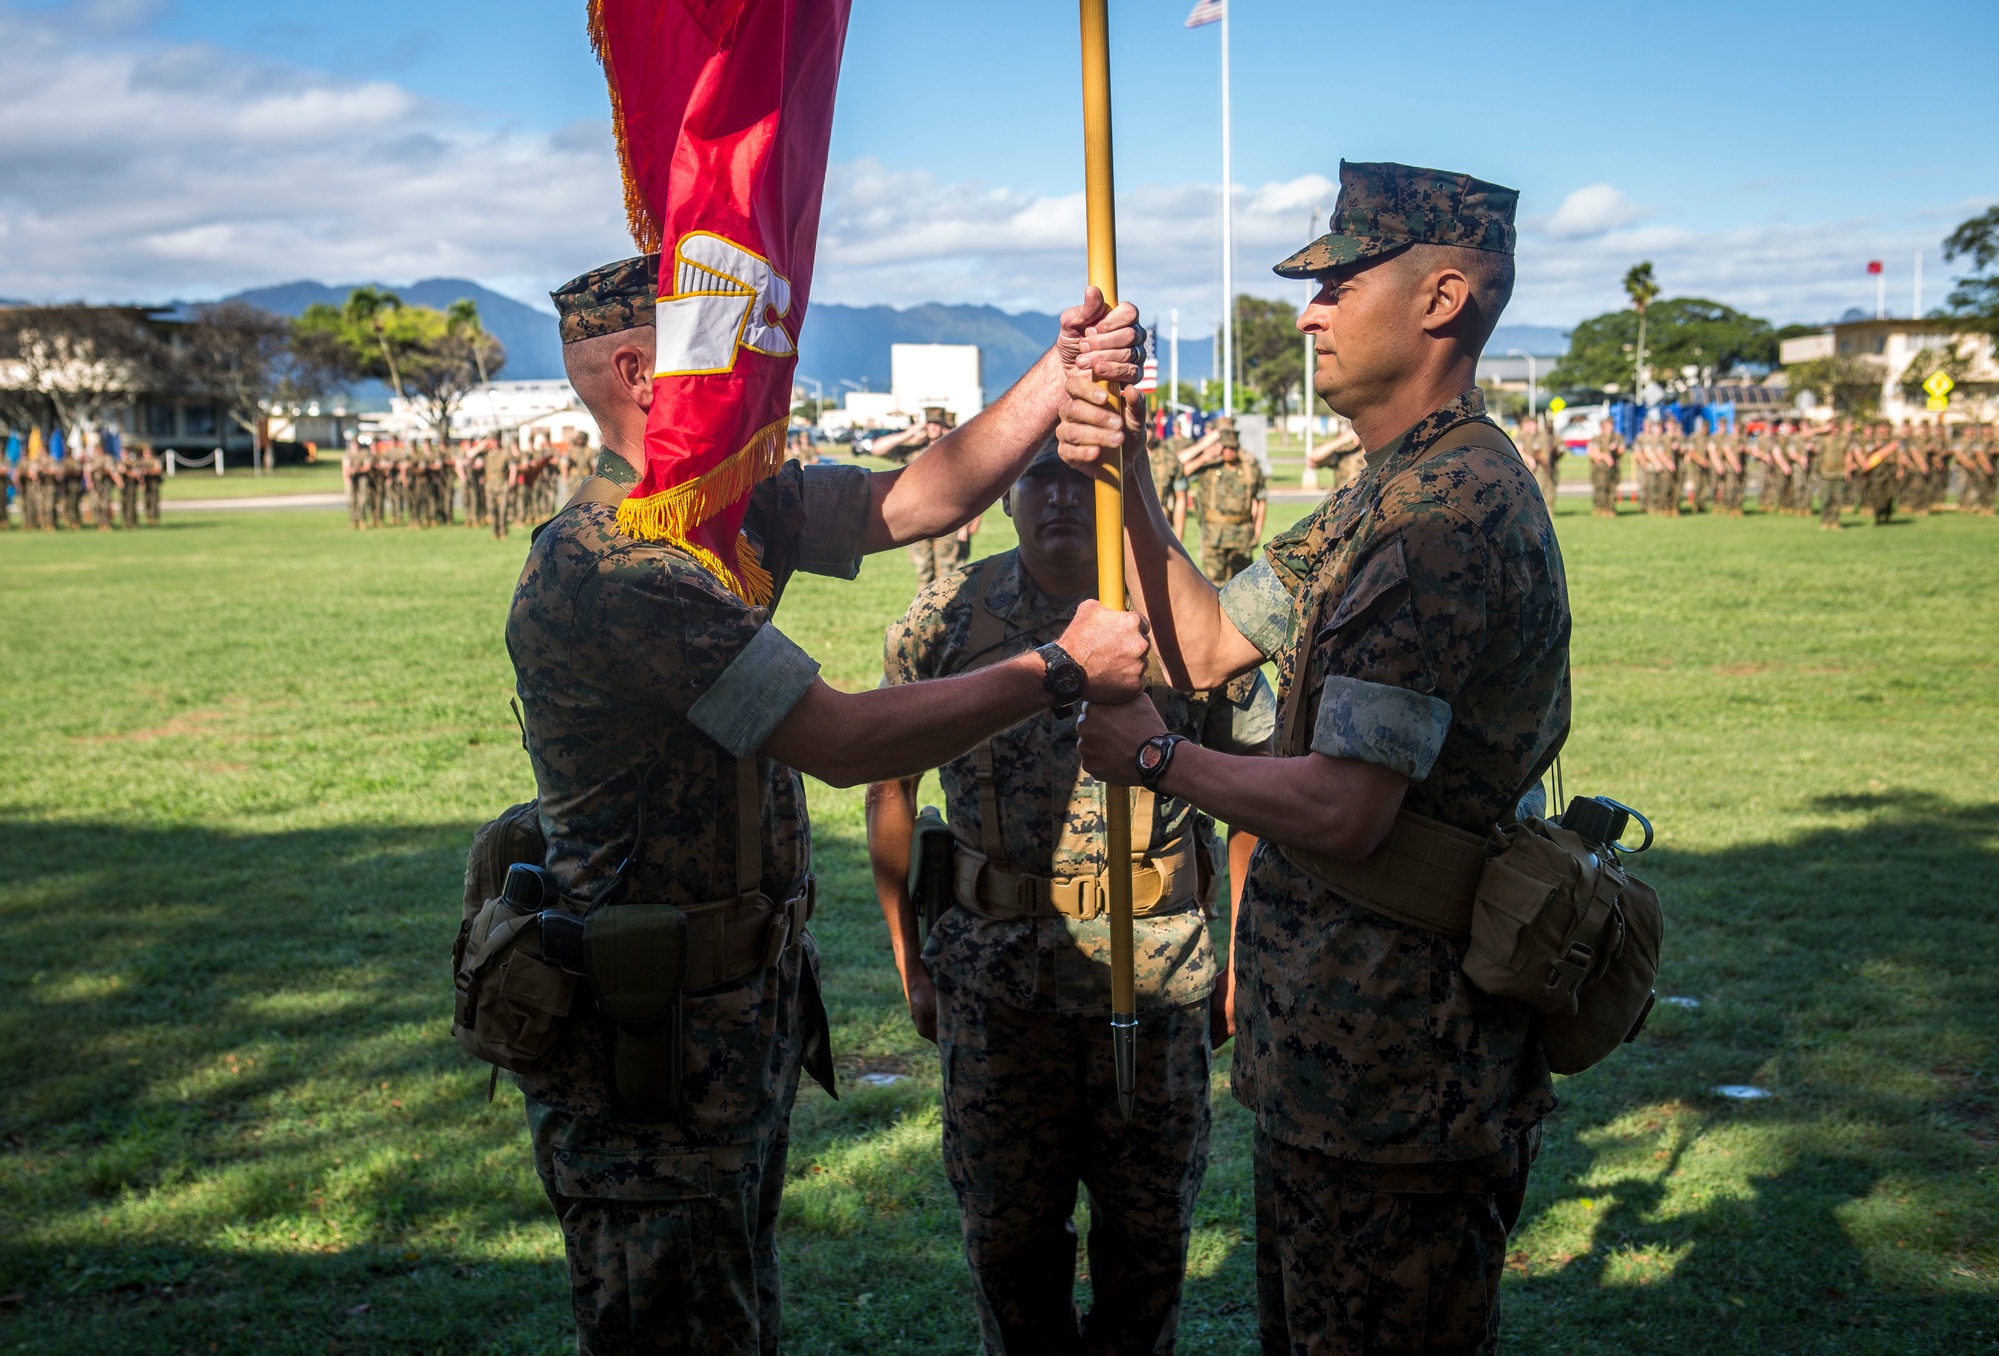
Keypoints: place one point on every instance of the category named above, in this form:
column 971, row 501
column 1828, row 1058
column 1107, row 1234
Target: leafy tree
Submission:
column 432, row 358
column 1974, row 302
column 1681, row 333
column 72, row 365
column 246, row 358
column 1269, row 352
column 1849, row 384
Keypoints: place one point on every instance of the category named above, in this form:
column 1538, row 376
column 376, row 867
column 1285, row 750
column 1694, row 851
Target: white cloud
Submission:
column 152, row 171
column 1589, row 212
column 135, row 169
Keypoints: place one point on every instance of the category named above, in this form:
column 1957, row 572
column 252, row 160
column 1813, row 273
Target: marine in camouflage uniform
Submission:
column 1021, row 969
column 1975, row 452
column 1731, row 474
column 1420, row 624
column 939, row 556
column 1227, row 498
column 645, row 682
column 1606, row 449
column 1831, row 458
column 1543, row 454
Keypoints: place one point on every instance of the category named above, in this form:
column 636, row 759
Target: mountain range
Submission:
column 843, row 347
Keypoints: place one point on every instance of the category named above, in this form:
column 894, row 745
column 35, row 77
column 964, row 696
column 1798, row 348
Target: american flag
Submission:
column 1207, row 12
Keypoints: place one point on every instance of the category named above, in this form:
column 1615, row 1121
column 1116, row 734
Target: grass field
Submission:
column 243, row 754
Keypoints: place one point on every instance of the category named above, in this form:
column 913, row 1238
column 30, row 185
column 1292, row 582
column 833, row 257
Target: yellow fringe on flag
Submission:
column 644, row 226
column 672, row 513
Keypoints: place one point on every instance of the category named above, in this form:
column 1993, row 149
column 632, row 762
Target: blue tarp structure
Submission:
column 56, row 448
column 13, row 449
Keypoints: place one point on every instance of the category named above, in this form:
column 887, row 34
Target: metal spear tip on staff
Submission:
column 1100, row 184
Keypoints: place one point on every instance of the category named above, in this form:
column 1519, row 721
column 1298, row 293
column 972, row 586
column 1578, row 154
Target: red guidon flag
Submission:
column 722, row 110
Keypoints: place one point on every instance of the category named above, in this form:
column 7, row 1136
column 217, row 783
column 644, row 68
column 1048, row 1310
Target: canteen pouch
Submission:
column 510, row 1003
column 636, row 959
column 1557, row 923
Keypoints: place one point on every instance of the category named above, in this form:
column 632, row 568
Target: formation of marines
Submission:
column 1800, row 469
column 101, row 488
column 1397, row 1108
column 496, row 483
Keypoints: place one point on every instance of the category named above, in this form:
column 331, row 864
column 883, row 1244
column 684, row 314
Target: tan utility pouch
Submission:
column 509, row 1003
column 1560, row 925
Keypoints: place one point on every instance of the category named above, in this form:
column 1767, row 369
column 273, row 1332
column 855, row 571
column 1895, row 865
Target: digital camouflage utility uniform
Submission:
column 1605, row 451
column 1394, row 1101
column 1220, row 498
column 631, row 660
column 1023, row 1002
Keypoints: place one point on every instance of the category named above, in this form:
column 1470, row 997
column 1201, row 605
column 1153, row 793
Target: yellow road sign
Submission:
column 1939, row 385
column 1557, row 405
column 1938, row 402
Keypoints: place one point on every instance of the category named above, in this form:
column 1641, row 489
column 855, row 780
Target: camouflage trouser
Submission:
column 1030, row 1111
column 938, row 557
column 1602, row 488
column 1728, row 491
column 669, row 1250
column 1226, row 553
column 1356, row 1258
column 1833, row 490
column 1880, row 494
column 152, row 501
column 1701, row 497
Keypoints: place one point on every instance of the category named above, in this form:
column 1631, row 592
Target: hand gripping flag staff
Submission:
column 1099, row 188
column 722, row 111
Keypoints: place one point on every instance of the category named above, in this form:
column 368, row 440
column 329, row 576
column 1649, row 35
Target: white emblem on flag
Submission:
column 1207, row 12
column 723, row 301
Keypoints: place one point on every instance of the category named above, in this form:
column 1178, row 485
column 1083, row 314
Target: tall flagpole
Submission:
column 1099, row 187
column 1228, row 233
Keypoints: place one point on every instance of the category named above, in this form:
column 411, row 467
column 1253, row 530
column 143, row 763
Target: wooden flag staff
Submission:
column 1099, row 183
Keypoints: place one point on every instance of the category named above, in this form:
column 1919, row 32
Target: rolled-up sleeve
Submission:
column 1390, row 727
column 836, row 500
column 1258, row 605
column 755, row 693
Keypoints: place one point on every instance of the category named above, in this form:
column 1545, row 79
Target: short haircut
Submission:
column 1490, row 274
column 587, row 364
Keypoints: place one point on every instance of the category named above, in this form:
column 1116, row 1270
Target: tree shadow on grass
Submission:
column 1847, row 971
column 196, row 1028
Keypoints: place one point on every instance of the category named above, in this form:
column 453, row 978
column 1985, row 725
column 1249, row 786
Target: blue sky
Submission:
column 1759, row 154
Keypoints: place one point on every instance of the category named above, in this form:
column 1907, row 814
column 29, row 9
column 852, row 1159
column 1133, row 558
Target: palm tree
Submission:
column 1641, row 287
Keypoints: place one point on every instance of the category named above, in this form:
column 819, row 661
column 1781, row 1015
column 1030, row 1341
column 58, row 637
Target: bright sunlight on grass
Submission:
column 243, row 754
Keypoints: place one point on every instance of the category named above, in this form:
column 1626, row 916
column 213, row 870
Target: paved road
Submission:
column 260, row 501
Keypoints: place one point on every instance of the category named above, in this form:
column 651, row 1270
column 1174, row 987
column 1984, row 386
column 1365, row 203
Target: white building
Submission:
column 1891, row 345
column 495, row 407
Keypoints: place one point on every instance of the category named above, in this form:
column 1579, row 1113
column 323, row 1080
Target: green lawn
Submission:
column 244, row 482
column 243, row 755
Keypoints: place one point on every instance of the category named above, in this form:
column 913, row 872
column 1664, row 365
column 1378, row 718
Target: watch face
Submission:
column 1068, row 680
column 1150, row 755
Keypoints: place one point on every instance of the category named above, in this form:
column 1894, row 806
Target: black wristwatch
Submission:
column 1154, row 756
column 1063, row 677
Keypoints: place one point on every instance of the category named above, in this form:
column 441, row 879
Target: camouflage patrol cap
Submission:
column 605, row 300
column 1384, row 207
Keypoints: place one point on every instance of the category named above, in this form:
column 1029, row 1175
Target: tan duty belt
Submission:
column 1425, row 872
column 1158, row 886
column 984, row 881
